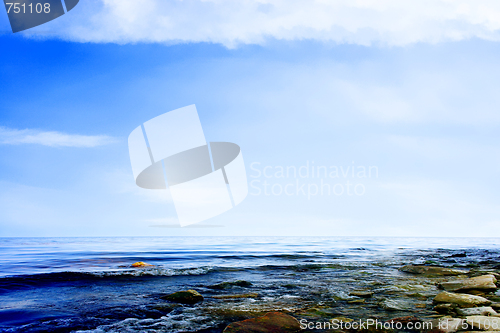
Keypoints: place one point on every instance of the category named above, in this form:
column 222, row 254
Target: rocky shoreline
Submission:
column 446, row 299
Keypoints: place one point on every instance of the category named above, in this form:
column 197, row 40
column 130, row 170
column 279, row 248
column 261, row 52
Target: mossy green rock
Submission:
column 184, row 297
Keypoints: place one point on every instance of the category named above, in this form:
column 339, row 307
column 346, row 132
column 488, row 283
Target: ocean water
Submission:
column 88, row 284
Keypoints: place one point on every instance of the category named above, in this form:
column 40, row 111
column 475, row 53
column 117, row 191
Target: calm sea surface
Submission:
column 27, row 256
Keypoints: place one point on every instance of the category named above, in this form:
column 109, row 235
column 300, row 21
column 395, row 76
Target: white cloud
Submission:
column 389, row 22
column 52, row 139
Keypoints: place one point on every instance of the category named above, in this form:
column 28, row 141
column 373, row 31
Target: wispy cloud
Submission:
column 389, row 22
column 10, row 136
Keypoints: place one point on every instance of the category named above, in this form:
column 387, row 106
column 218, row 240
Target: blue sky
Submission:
column 419, row 101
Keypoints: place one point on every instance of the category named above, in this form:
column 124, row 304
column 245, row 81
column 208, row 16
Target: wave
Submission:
column 23, row 281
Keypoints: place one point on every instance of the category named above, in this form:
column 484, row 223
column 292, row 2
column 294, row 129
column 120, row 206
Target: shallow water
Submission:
column 71, row 284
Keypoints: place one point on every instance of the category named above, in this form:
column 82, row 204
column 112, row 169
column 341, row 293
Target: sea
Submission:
column 89, row 284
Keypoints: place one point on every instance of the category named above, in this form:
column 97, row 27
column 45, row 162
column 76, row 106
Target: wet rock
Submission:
column 393, row 305
column 361, row 293
column 484, row 282
column 445, row 308
column 419, row 296
column 290, row 286
column 484, row 323
column 479, row 272
column 479, row 311
column 272, row 322
column 185, row 297
column 405, row 320
column 408, row 287
column 357, row 301
column 462, row 300
column 248, row 295
column 495, row 306
column 165, row 307
column 431, row 270
column 228, row 285
column 447, row 325
column 140, row 264
column 232, row 314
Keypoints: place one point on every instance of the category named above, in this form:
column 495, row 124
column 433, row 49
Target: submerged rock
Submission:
column 357, row 301
column 227, row 285
column 484, row 323
column 431, row 270
column 140, row 264
column 248, row 295
column 462, row 300
column 393, row 305
column 484, row 282
column 479, row 311
column 185, row 297
column 361, row 293
column 319, row 311
column 166, row 307
column 272, row 322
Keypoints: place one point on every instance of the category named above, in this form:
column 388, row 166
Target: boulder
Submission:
column 462, row 300
column 272, row 322
column 479, row 311
column 484, row 323
column 140, row 264
column 432, row 270
column 185, row 297
column 483, row 282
